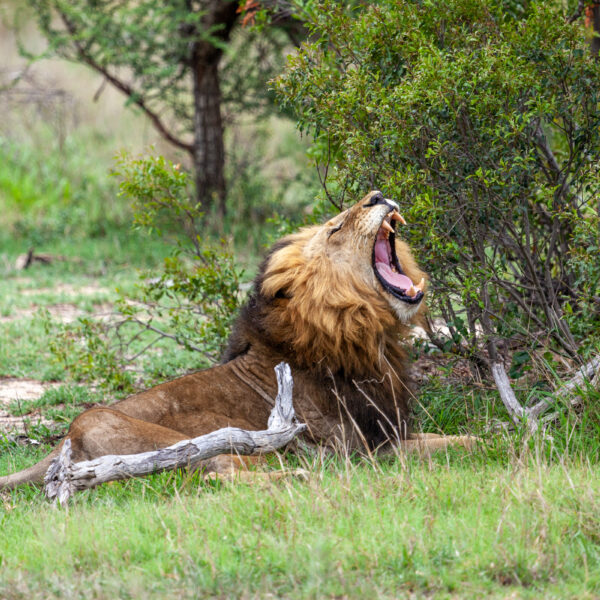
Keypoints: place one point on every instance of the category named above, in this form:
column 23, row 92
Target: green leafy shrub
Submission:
column 191, row 303
column 87, row 351
column 483, row 122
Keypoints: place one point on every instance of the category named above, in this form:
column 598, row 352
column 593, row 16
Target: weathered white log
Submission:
column 589, row 372
column 532, row 414
column 64, row 477
column 507, row 395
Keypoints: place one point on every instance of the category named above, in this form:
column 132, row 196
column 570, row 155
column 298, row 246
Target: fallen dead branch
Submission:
column 64, row 477
column 518, row 413
column 24, row 261
column 589, row 372
column 507, row 395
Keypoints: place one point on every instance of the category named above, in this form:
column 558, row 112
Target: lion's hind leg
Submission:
column 97, row 432
column 101, row 431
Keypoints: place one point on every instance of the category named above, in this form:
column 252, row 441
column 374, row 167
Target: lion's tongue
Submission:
column 401, row 282
column 382, row 264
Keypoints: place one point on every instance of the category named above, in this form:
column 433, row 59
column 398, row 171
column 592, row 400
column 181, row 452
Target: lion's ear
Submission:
column 334, row 225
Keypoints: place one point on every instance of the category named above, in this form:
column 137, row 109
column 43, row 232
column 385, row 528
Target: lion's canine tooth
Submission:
column 387, row 227
column 411, row 292
column 398, row 217
column 420, row 285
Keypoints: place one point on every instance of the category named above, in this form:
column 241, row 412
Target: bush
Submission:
column 191, row 303
column 482, row 118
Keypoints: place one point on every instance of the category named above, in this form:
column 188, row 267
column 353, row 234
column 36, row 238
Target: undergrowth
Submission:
column 453, row 525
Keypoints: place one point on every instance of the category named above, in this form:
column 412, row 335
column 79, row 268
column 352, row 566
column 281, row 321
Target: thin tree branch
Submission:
column 170, row 336
column 587, row 372
column 577, row 14
column 126, row 89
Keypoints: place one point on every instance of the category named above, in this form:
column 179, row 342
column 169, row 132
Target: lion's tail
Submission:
column 34, row 474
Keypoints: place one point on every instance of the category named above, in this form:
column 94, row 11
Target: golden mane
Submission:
column 326, row 312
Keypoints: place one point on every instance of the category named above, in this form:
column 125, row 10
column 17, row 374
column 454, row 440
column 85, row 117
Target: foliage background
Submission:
column 481, row 118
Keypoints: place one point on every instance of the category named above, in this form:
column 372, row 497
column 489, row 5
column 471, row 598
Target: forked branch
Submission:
column 64, row 477
column 589, row 372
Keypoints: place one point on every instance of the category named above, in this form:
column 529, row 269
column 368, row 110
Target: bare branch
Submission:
column 513, row 406
column 125, row 88
column 587, row 372
column 323, row 178
column 577, row 14
column 177, row 339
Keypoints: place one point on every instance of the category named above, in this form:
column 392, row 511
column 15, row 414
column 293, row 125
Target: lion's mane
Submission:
column 334, row 329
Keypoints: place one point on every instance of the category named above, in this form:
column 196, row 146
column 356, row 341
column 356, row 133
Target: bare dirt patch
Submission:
column 67, row 289
column 65, row 313
column 11, row 390
column 61, row 312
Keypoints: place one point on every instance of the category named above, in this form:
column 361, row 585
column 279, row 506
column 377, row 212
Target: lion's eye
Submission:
column 375, row 199
column 334, row 230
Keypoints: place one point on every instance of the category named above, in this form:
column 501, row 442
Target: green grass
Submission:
column 86, row 282
column 452, row 527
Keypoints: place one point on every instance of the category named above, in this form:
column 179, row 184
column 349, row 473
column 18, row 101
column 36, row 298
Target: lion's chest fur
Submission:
column 338, row 408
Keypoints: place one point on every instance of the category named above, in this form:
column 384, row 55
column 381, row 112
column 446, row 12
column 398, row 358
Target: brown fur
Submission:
column 317, row 305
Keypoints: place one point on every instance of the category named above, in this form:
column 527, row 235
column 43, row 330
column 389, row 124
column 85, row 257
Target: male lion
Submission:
column 333, row 301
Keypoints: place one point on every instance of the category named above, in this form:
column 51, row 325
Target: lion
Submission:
column 334, row 301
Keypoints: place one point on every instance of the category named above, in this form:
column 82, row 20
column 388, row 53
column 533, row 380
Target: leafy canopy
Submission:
column 482, row 118
column 146, row 50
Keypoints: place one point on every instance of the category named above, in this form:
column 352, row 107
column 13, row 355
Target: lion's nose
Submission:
column 391, row 203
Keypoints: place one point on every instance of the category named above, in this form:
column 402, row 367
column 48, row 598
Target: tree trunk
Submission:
column 209, row 148
column 592, row 20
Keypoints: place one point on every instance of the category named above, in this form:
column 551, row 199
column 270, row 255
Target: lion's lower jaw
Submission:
column 405, row 312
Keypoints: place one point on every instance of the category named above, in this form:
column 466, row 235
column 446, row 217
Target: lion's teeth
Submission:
column 387, row 227
column 396, row 216
column 411, row 291
column 419, row 287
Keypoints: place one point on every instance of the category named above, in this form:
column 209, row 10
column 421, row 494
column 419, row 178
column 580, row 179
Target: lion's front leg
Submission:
column 234, row 469
column 425, row 443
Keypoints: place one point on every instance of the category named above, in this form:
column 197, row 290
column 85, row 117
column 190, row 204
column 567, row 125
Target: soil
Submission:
column 12, row 389
column 64, row 313
column 67, row 289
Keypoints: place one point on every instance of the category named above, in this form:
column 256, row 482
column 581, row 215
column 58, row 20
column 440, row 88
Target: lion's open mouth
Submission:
column 386, row 265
